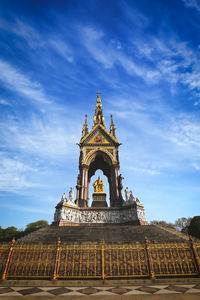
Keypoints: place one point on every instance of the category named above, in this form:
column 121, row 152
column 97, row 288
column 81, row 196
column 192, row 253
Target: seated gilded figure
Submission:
column 98, row 186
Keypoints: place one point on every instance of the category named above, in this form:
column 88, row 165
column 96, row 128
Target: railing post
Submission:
column 149, row 259
column 57, row 260
column 195, row 254
column 102, row 259
column 4, row 276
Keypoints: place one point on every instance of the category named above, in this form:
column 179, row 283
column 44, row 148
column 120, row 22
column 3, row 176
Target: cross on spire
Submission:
column 98, row 93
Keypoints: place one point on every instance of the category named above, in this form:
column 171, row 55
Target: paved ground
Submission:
column 101, row 291
column 161, row 289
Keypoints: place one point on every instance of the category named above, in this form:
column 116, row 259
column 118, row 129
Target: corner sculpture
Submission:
column 99, row 150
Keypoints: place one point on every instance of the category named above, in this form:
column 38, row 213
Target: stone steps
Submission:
column 109, row 233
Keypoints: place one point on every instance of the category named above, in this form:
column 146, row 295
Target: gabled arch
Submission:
column 101, row 152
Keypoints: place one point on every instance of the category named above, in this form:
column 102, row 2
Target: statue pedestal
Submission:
column 99, row 200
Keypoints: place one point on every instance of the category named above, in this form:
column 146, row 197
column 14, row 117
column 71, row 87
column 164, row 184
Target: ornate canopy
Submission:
column 98, row 150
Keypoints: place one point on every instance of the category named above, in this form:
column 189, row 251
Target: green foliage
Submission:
column 194, row 227
column 8, row 232
column 37, row 224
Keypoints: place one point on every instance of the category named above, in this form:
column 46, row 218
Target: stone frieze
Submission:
column 87, row 216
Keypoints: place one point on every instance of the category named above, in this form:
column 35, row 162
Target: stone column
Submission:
column 78, row 187
column 77, row 192
column 88, row 192
column 116, row 182
column 85, row 196
column 113, row 186
column 82, row 184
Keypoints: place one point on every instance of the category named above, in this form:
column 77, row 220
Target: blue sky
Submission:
column 144, row 56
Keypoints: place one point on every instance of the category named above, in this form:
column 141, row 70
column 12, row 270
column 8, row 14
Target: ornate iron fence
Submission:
column 83, row 261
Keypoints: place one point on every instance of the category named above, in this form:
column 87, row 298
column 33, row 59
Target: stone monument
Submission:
column 99, row 149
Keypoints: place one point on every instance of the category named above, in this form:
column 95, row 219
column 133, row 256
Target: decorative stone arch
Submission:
column 104, row 153
column 95, row 160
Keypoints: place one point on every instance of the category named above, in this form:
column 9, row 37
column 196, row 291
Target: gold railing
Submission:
column 101, row 261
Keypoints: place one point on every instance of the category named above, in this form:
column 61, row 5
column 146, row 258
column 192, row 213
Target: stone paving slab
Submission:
column 96, row 291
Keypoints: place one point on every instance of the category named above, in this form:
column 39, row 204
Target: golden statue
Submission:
column 98, row 186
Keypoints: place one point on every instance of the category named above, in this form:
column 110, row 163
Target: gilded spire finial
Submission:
column 98, row 117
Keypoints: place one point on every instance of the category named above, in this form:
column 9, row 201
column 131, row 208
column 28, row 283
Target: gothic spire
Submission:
column 112, row 127
column 85, row 127
column 98, row 116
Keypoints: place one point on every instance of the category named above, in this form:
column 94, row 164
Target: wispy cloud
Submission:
column 109, row 56
column 192, row 3
column 36, row 40
column 61, row 48
column 5, row 102
column 153, row 60
column 14, row 174
column 174, row 60
column 185, row 133
column 46, row 138
column 150, row 171
column 196, row 166
column 15, row 80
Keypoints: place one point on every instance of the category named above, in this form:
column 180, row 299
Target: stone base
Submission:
column 64, row 223
column 99, row 200
column 66, row 215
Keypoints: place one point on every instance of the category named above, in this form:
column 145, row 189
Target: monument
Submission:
column 104, row 240
column 99, row 149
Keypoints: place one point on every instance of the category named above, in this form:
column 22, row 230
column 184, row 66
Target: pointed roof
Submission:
column 99, row 134
column 109, row 138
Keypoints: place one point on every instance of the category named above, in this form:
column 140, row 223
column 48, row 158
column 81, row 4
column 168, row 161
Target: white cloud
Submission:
column 153, row 60
column 196, row 166
column 192, row 3
column 62, row 48
column 185, row 132
column 35, row 40
column 51, row 137
column 14, row 174
column 108, row 55
column 5, row 102
column 25, row 31
column 174, row 61
column 149, row 171
column 15, row 80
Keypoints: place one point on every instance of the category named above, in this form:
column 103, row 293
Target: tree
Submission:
column 162, row 223
column 182, row 224
column 194, row 227
column 37, row 224
column 8, row 233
